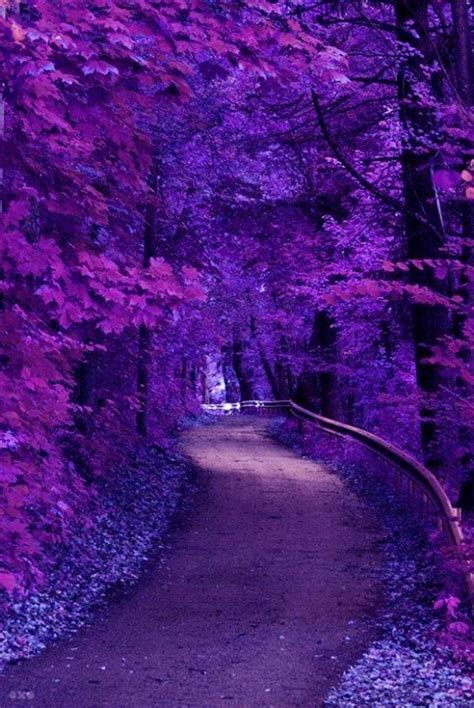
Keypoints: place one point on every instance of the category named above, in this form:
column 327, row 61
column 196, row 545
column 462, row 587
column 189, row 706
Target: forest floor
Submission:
column 265, row 597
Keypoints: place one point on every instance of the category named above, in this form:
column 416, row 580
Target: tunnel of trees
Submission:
column 207, row 202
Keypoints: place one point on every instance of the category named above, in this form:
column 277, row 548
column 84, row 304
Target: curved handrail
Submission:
column 398, row 457
column 449, row 515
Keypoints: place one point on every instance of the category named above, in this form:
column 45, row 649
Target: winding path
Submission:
column 263, row 599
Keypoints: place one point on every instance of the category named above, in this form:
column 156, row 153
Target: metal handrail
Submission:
column 449, row 517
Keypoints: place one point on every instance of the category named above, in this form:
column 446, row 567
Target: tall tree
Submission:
column 424, row 239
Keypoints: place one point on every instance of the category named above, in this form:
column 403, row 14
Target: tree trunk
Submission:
column 84, row 393
column 184, row 380
column 318, row 389
column 463, row 73
column 143, row 380
column 144, row 335
column 204, row 386
column 272, row 379
column 232, row 394
column 328, row 381
column 462, row 51
column 283, row 371
column 7, row 7
column 246, row 388
column 289, row 381
column 423, row 239
column 267, row 367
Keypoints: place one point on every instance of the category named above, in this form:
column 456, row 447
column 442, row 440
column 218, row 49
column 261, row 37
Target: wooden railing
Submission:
column 421, row 484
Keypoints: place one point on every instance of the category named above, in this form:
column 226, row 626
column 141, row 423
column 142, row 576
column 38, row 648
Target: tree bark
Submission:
column 271, row 377
column 319, row 389
column 246, row 388
column 184, row 380
column 267, row 367
column 7, row 7
column 462, row 51
column 84, row 394
column 463, row 73
column 232, row 394
column 430, row 323
column 144, row 334
column 143, row 381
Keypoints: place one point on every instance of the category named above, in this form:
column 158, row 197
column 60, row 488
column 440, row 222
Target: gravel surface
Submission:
column 409, row 666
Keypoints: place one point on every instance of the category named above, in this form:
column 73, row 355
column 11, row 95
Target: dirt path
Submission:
column 262, row 600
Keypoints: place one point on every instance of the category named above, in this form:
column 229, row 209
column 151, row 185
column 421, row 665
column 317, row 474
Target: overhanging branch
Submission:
column 365, row 183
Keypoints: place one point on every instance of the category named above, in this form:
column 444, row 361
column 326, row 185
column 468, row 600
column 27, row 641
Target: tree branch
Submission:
column 368, row 81
column 357, row 21
column 354, row 172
